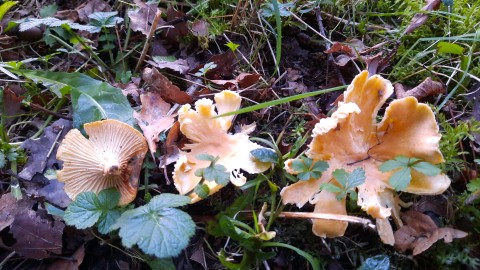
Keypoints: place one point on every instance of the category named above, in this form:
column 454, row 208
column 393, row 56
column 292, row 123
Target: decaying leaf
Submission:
column 90, row 7
column 351, row 138
column 420, row 233
column 167, row 90
column 200, row 28
column 153, row 118
column 179, row 65
column 424, row 89
column 141, row 19
column 72, row 263
column 36, row 237
column 210, row 136
column 242, row 81
column 223, row 66
column 39, row 159
column 12, row 104
column 177, row 19
column 420, row 18
column 10, row 207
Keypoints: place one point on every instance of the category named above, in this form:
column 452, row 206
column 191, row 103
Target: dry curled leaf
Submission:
column 426, row 88
column 351, row 138
column 141, row 19
column 153, row 118
column 92, row 6
column 420, row 18
column 209, row 135
column 421, row 232
column 162, row 85
column 242, row 81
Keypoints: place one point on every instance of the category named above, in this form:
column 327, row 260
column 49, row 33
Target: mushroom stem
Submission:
column 308, row 215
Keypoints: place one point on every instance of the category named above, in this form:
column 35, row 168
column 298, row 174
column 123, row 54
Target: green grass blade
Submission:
column 282, row 100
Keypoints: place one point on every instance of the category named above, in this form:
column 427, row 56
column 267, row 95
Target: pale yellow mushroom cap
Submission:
column 112, row 156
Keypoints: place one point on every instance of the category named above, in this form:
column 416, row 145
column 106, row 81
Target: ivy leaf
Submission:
column 307, row 169
column 426, row 168
column 88, row 209
column 265, row 155
column 401, row 179
column 157, row 228
column 92, row 100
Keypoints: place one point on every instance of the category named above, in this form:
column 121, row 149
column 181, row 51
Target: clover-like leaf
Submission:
column 157, row 228
column 89, row 209
column 307, row 169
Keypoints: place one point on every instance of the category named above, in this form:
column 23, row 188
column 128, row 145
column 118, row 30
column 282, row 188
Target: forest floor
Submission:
column 320, row 80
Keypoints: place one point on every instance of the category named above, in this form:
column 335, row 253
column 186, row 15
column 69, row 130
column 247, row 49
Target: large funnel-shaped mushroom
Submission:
column 112, row 156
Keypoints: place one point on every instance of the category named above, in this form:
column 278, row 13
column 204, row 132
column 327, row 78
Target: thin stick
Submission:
column 149, row 37
column 308, row 215
column 37, row 107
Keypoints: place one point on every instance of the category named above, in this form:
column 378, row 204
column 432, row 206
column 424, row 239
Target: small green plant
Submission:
column 308, row 169
column 403, row 166
column 203, row 71
column 214, row 172
column 157, row 228
column 348, row 182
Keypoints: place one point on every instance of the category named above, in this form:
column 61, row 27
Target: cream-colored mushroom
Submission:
column 112, row 156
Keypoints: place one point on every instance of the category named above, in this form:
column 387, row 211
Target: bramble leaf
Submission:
column 156, row 228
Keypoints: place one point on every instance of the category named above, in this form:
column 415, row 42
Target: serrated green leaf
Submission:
column 157, row 230
column 320, row 166
column 356, row 178
column 88, row 209
column 54, row 211
column 104, row 19
column 330, row 188
column 217, row 173
column 265, row 155
column 202, row 191
column 168, row 200
column 82, row 212
column 474, row 185
column 92, row 100
column 401, row 179
column 304, row 176
column 48, row 10
column 299, row 166
column 341, row 176
column 392, row 165
column 426, row 168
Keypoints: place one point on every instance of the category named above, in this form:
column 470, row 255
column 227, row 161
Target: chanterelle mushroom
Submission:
column 210, row 136
column 112, row 156
column 351, row 138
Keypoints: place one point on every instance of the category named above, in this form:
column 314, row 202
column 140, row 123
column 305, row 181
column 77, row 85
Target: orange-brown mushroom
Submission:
column 209, row 135
column 112, row 156
column 351, row 138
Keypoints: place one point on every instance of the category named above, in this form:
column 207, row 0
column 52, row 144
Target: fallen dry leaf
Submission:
column 200, row 28
column 177, row 19
column 153, row 118
column 420, row 232
column 179, row 65
column 38, row 150
column 420, row 18
column 426, row 88
column 36, row 237
column 92, row 6
column 224, row 68
column 12, row 104
column 141, row 19
column 162, row 85
column 9, row 207
column 242, row 81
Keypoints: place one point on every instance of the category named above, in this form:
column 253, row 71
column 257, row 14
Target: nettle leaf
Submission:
column 307, row 169
column 92, row 100
column 88, row 209
column 157, row 228
column 265, row 155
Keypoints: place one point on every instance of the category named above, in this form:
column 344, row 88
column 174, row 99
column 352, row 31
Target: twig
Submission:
column 347, row 22
column 308, row 215
column 149, row 37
